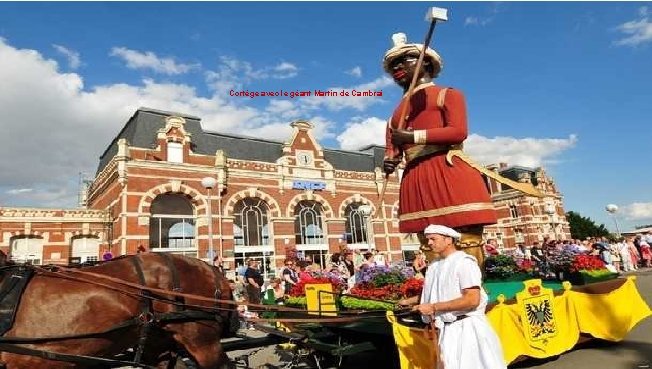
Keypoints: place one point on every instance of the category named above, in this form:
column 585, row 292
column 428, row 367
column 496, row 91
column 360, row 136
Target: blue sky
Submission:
column 562, row 85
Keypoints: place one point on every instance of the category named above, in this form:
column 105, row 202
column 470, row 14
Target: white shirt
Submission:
column 469, row 343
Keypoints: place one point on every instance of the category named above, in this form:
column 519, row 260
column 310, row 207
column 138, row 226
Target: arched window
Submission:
column 356, row 224
column 173, row 223
column 308, row 223
column 251, row 224
column 85, row 249
column 181, row 234
column 27, row 249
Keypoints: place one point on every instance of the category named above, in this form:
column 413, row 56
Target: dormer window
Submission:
column 175, row 152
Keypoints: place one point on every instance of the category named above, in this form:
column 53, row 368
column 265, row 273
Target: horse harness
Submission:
column 12, row 288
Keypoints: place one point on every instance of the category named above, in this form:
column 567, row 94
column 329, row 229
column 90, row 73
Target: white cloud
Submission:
column 73, row 125
column 74, row 60
column 17, row 191
column 361, row 132
column 488, row 17
column 355, row 72
column 283, row 108
column 529, row 152
column 284, row 70
column 477, row 21
column 636, row 31
column 149, row 60
column 337, row 103
column 234, row 74
column 237, row 75
column 637, row 211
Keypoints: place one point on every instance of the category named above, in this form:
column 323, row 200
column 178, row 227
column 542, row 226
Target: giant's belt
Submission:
column 418, row 151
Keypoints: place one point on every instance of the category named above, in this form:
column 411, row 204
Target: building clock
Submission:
column 304, row 158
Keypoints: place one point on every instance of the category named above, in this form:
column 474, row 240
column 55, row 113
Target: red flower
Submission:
column 412, row 287
column 299, row 289
column 395, row 291
column 587, row 262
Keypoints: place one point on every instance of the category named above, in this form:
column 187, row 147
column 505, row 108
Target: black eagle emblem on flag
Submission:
column 540, row 317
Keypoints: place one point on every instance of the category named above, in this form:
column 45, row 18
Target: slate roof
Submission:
column 515, row 171
column 140, row 131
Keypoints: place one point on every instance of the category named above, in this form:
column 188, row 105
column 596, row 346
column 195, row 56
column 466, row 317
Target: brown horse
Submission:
column 70, row 303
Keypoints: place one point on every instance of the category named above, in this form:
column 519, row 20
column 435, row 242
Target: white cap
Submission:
column 402, row 47
column 442, row 230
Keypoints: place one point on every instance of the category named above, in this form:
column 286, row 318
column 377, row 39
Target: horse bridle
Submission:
column 146, row 319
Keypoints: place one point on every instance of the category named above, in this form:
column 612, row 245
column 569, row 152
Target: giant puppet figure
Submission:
column 439, row 185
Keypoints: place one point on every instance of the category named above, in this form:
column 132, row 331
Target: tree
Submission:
column 583, row 227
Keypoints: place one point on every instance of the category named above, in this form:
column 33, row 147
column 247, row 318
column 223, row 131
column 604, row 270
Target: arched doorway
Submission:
column 308, row 229
column 26, row 249
column 251, row 234
column 84, row 249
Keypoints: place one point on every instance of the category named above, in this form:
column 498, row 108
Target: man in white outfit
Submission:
column 454, row 297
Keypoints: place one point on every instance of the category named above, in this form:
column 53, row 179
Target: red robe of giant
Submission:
column 432, row 191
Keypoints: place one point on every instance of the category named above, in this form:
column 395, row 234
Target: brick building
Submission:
column 268, row 197
column 522, row 219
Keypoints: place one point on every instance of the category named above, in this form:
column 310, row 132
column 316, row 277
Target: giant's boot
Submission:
column 471, row 243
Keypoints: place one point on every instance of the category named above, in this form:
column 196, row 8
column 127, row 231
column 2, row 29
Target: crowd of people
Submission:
column 251, row 287
column 622, row 255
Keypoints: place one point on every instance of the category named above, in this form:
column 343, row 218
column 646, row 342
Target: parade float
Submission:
column 533, row 317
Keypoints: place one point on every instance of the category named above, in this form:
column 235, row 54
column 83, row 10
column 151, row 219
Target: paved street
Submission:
column 635, row 352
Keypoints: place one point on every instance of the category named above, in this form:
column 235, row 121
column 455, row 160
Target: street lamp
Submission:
column 551, row 211
column 209, row 183
column 612, row 209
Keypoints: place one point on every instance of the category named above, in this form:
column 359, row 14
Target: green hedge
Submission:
column 346, row 302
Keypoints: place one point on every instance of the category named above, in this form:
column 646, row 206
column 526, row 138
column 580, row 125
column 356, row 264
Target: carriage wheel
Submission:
column 326, row 361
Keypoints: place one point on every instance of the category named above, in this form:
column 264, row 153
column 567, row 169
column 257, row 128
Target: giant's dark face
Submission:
column 403, row 68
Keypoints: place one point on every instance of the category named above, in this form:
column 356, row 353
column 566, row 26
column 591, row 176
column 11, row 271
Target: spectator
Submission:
column 633, row 253
column 527, row 252
column 358, row 258
column 303, row 273
column 241, row 269
column 254, row 282
column 491, row 248
column 379, row 258
column 368, row 261
column 334, row 263
column 605, row 251
column 625, row 256
column 420, row 265
column 274, row 293
column 349, row 266
column 646, row 254
column 637, row 245
column 217, row 262
column 615, row 256
column 289, row 275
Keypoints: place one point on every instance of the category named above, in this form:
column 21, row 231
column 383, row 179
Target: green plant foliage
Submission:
column 583, row 227
column 353, row 303
column 296, row 301
column 600, row 273
column 500, row 267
